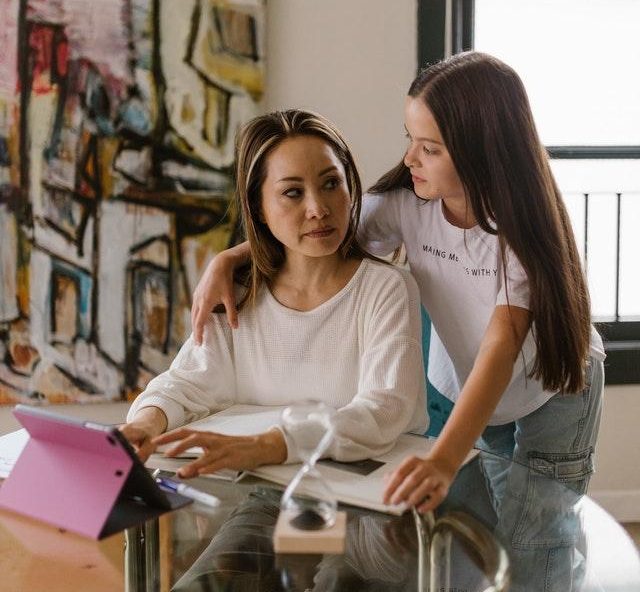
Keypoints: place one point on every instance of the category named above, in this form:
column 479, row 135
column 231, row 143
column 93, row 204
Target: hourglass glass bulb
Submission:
column 309, row 427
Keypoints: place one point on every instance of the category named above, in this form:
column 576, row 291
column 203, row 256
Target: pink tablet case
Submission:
column 71, row 475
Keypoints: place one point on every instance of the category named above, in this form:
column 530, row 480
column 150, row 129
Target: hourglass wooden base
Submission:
column 289, row 539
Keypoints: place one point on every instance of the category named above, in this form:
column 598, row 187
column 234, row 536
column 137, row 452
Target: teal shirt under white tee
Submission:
column 360, row 352
column 459, row 274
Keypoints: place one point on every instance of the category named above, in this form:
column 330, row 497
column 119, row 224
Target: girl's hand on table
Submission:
column 419, row 482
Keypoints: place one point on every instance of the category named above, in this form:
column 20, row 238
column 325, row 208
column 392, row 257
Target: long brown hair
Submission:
column 483, row 113
column 254, row 143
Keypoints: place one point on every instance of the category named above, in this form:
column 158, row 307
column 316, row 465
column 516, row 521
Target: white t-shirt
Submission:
column 360, row 352
column 459, row 273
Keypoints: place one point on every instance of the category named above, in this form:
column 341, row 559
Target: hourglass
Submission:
column 308, row 502
column 309, row 521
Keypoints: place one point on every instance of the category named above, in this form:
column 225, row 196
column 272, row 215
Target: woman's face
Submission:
column 305, row 198
column 432, row 170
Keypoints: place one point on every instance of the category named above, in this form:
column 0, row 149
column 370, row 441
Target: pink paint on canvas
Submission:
column 95, row 30
column 8, row 46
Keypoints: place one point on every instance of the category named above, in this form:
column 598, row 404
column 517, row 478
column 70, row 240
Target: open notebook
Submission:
column 359, row 484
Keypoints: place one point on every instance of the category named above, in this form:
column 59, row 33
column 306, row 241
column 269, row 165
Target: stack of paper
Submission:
column 11, row 446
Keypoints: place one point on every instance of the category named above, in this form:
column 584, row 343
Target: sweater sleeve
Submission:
column 391, row 397
column 379, row 231
column 200, row 380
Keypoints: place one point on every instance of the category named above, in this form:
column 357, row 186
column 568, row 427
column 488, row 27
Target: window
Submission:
column 577, row 59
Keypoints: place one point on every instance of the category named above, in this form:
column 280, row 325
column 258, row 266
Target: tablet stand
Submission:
column 81, row 477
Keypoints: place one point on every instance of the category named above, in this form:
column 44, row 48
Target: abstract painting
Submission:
column 117, row 124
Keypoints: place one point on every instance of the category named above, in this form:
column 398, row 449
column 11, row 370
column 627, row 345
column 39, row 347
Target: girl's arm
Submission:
column 216, row 287
column 424, row 482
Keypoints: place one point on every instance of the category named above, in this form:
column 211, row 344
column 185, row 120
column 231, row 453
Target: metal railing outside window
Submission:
column 621, row 332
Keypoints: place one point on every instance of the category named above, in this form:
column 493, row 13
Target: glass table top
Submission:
column 463, row 547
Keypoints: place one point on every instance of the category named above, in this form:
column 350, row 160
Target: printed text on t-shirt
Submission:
column 449, row 256
column 436, row 252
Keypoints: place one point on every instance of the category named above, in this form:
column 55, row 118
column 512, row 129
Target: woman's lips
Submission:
column 417, row 179
column 320, row 233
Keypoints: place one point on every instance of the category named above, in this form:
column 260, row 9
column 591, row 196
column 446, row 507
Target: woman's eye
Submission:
column 331, row 183
column 293, row 192
column 427, row 150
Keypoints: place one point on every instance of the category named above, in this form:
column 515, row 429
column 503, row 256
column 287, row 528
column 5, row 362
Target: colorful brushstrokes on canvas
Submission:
column 117, row 121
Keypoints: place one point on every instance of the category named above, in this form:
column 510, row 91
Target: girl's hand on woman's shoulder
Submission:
column 224, row 452
column 419, row 482
column 215, row 287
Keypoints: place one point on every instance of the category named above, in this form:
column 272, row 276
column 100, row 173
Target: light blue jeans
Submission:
column 536, row 497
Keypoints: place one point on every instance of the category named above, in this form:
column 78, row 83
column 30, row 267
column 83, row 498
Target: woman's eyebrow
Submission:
column 327, row 170
column 299, row 179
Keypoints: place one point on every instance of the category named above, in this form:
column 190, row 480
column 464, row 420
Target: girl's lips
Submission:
column 320, row 233
column 417, row 179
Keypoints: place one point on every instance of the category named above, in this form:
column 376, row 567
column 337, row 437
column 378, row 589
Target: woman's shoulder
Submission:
column 389, row 277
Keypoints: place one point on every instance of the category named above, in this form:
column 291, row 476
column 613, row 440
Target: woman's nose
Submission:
column 316, row 207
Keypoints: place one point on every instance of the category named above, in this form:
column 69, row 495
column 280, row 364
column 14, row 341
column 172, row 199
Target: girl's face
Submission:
column 432, row 170
column 305, row 198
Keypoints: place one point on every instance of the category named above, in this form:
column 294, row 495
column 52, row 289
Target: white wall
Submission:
column 350, row 60
column 616, row 483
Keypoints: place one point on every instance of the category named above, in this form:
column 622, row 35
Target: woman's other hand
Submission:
column 224, row 452
column 419, row 482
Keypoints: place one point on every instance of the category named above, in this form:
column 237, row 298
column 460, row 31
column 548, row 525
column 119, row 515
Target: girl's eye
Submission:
column 427, row 150
column 293, row 192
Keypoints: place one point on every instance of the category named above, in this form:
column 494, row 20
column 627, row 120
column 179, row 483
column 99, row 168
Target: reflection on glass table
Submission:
column 464, row 546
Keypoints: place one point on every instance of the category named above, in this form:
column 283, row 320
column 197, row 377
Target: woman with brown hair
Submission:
column 320, row 318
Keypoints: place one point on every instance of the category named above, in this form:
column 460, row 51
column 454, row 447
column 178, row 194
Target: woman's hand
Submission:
column 419, row 482
column 146, row 425
column 140, row 438
column 225, row 452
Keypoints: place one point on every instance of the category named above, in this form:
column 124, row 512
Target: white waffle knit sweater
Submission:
column 359, row 352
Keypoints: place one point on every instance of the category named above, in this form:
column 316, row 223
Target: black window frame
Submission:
column 439, row 36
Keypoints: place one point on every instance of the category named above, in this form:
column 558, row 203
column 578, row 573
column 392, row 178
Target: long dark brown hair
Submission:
column 255, row 141
column 483, row 113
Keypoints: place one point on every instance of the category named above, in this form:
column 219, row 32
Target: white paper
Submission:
column 364, row 491
column 11, row 446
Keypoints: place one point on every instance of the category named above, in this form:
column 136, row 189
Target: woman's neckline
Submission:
column 338, row 295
